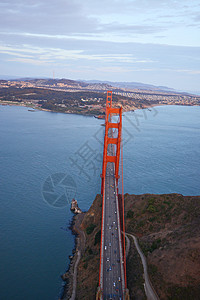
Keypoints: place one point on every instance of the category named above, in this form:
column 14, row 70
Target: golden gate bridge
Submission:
column 112, row 268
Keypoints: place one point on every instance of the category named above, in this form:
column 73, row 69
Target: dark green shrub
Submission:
column 90, row 228
column 97, row 238
column 85, row 265
column 130, row 214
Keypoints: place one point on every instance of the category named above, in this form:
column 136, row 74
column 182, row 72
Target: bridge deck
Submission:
column 112, row 277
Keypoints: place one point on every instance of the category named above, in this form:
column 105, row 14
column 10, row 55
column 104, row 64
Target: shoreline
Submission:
column 47, row 110
column 66, row 276
column 90, row 115
column 160, row 244
column 70, row 276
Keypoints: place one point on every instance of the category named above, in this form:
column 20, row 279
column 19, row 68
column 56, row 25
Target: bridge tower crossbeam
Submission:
column 109, row 139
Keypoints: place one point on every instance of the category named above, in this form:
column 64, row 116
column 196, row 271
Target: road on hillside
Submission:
column 149, row 290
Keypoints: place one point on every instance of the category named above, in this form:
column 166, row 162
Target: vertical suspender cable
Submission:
column 123, row 212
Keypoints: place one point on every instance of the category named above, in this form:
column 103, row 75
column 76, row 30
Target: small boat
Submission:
column 100, row 117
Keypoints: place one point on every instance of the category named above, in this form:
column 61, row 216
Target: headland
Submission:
column 167, row 227
column 75, row 97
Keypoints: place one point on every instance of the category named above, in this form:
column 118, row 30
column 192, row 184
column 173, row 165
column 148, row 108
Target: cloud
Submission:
column 66, row 17
column 91, row 36
column 30, row 61
column 14, row 54
column 28, row 54
column 196, row 18
column 113, row 69
column 127, row 6
column 136, row 29
column 190, row 72
column 56, row 17
column 117, row 21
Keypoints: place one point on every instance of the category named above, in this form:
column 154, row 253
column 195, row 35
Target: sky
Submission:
column 149, row 41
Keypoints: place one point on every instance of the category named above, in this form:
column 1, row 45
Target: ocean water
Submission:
column 48, row 158
column 162, row 153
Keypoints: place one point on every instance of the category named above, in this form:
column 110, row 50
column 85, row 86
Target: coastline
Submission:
column 67, row 276
column 47, row 110
column 70, row 276
column 164, row 225
column 125, row 109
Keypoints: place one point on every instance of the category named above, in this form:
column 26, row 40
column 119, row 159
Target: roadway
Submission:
column 113, row 272
column 148, row 287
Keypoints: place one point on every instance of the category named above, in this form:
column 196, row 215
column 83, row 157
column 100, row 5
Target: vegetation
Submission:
column 48, row 97
column 130, row 214
column 97, row 239
column 168, row 230
column 90, row 228
column 183, row 293
column 167, row 227
column 89, row 263
column 135, row 280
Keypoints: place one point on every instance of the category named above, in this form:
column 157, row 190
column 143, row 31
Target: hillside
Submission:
column 85, row 83
column 69, row 96
column 133, row 85
column 168, row 228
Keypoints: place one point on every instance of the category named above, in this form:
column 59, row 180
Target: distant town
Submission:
column 69, row 96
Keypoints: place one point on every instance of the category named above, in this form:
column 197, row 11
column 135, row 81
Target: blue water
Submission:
column 163, row 153
column 48, row 158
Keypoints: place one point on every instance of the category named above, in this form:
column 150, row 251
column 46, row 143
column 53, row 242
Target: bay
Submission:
column 162, row 155
column 47, row 158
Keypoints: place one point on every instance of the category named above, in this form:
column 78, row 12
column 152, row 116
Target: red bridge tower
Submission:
column 115, row 158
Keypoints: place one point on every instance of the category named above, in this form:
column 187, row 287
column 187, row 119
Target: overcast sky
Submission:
column 149, row 41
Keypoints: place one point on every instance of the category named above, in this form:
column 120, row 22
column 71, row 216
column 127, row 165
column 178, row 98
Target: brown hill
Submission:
column 168, row 229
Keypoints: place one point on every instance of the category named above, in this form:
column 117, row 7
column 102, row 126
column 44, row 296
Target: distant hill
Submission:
column 126, row 85
column 133, row 85
column 15, row 77
column 97, row 84
column 8, row 77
